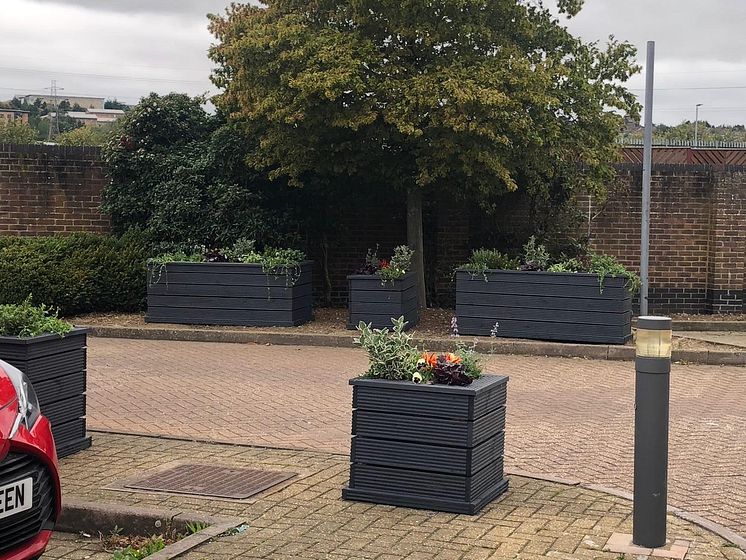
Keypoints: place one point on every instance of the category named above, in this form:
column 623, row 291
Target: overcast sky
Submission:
column 127, row 48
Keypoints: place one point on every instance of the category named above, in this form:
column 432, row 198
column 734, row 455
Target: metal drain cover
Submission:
column 209, row 480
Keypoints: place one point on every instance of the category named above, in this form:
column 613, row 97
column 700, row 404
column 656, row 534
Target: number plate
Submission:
column 16, row 497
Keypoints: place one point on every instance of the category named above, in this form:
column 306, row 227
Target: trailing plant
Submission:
column 392, row 354
column 604, row 266
column 26, row 320
column 276, row 262
column 607, row 266
column 482, row 260
column 178, row 256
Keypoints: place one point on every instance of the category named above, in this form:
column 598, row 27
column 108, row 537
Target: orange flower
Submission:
column 431, row 358
column 453, row 358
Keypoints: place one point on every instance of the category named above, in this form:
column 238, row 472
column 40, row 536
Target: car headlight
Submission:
column 28, row 402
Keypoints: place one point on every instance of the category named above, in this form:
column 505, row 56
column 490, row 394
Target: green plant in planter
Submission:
column 535, row 255
column 398, row 266
column 26, row 320
column 482, row 260
column 392, row 354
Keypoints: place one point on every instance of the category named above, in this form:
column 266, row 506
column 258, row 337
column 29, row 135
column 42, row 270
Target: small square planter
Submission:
column 561, row 306
column 228, row 294
column 56, row 366
column 372, row 301
column 435, row 447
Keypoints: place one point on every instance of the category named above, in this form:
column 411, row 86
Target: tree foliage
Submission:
column 178, row 174
column 474, row 96
column 16, row 132
column 86, row 136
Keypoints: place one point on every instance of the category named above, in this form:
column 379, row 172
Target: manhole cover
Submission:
column 208, row 480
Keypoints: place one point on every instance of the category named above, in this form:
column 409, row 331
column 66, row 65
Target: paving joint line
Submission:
column 720, row 530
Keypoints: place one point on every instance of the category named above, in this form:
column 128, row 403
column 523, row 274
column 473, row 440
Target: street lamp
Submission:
column 652, row 381
column 696, row 124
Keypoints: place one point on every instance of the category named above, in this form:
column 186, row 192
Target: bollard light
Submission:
column 652, row 382
column 653, row 338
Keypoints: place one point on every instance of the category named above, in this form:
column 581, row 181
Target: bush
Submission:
column 76, row 274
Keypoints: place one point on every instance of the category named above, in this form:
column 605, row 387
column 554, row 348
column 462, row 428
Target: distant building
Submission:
column 94, row 117
column 13, row 115
column 82, row 101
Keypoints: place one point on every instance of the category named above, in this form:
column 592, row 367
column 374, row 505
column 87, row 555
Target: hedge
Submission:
column 79, row 273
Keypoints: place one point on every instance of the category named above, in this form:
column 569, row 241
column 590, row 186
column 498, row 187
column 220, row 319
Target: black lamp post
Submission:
column 653, row 373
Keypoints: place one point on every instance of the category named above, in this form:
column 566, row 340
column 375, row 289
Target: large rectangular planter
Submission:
column 56, row 367
column 435, row 447
column 561, row 306
column 228, row 294
column 372, row 301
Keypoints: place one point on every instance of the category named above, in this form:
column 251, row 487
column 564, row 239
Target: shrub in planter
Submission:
column 427, row 429
column 382, row 290
column 236, row 286
column 53, row 355
column 582, row 299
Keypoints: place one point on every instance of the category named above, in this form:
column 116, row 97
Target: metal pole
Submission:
column 653, row 373
column 647, row 161
column 696, row 124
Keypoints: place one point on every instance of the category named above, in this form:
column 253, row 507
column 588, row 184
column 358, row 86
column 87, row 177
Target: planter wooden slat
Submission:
column 426, row 457
column 56, row 366
column 259, row 292
column 237, row 317
column 424, row 490
column 376, row 302
column 544, row 306
column 227, row 294
column 535, row 314
column 234, row 303
column 464, row 283
column 554, row 302
column 428, row 446
column 403, row 427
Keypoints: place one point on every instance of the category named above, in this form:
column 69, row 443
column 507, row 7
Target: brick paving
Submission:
column 308, row 519
column 569, row 418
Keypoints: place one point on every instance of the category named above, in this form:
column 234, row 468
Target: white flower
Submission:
column 416, row 377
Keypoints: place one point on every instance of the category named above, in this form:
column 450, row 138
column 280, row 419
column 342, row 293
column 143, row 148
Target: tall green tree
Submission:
column 474, row 96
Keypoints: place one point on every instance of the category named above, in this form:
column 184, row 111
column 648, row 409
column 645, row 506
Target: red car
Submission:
column 29, row 480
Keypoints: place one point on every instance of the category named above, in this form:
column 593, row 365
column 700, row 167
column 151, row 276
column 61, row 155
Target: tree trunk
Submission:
column 415, row 239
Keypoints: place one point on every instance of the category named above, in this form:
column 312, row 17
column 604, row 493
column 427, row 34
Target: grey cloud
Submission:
column 182, row 7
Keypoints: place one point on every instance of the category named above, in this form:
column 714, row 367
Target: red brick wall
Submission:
column 50, row 189
column 697, row 235
column 698, row 229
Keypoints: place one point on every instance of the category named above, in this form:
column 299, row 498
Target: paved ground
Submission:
column 308, row 519
column 567, row 418
column 737, row 339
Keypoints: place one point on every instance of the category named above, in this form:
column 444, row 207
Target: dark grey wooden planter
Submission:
column 544, row 306
column 435, row 447
column 56, row 366
column 376, row 302
column 228, row 294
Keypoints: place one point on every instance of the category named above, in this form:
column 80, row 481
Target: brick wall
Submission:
column 697, row 235
column 50, row 189
column 698, row 230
